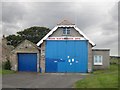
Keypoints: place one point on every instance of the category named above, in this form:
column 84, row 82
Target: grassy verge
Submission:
column 6, row 72
column 100, row 79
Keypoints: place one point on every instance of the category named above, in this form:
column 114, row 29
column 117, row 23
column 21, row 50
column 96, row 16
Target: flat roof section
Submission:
column 101, row 49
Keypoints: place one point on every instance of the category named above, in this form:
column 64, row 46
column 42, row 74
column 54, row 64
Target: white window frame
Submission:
column 97, row 57
column 66, row 31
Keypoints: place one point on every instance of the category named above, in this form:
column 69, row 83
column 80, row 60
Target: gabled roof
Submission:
column 65, row 24
column 25, row 42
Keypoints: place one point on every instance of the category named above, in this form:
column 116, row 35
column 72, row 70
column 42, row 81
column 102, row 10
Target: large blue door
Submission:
column 27, row 62
column 66, row 56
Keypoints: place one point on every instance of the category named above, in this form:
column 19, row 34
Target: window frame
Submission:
column 66, row 30
column 97, row 60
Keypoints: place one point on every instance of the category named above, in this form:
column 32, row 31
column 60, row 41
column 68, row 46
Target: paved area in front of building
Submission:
column 38, row 80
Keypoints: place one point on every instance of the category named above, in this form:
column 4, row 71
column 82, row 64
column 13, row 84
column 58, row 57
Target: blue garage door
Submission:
column 66, row 56
column 27, row 62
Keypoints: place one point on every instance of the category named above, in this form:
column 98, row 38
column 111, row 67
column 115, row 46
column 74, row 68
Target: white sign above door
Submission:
column 66, row 38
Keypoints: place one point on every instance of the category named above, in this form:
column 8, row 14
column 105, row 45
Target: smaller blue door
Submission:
column 27, row 62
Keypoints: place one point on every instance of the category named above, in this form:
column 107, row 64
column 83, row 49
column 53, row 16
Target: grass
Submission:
column 3, row 72
column 100, row 79
column 114, row 61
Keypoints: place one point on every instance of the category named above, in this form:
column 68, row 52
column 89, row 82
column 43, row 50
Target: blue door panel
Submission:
column 82, row 56
column 61, row 52
column 51, row 57
column 51, row 65
column 61, row 67
column 27, row 62
column 69, row 56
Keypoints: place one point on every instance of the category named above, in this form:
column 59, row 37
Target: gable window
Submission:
column 66, row 31
column 98, row 60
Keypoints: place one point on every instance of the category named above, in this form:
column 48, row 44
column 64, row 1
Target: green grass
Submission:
column 114, row 61
column 6, row 72
column 100, row 79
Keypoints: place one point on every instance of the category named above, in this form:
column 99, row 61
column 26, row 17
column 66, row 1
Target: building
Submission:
column 101, row 58
column 66, row 49
column 25, row 57
column 6, row 50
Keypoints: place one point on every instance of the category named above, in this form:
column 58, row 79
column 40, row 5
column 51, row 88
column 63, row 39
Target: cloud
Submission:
column 12, row 12
column 12, row 16
column 105, row 33
column 97, row 20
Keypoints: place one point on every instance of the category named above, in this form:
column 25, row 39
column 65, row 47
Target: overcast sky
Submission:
column 98, row 20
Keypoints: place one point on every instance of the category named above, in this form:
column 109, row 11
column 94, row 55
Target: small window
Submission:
column 66, row 31
column 98, row 60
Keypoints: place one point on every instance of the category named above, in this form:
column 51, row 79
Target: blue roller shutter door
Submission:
column 27, row 62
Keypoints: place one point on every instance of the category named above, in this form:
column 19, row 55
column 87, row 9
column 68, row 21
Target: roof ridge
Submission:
column 65, row 22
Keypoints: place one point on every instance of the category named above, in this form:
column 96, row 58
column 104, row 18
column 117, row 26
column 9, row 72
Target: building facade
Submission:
column 66, row 49
column 25, row 57
column 101, row 58
column 5, row 50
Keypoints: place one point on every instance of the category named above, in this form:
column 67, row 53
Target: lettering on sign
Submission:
column 65, row 38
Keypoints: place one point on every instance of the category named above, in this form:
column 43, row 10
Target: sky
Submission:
column 97, row 19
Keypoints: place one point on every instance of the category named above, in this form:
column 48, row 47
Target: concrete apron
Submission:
column 56, row 73
column 66, row 73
